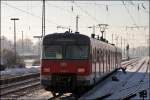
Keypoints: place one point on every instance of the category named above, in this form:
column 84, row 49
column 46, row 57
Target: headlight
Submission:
column 46, row 69
column 81, row 70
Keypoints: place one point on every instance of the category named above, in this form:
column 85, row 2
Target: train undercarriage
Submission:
column 65, row 83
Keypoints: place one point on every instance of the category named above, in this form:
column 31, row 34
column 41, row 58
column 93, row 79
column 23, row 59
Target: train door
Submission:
column 113, row 60
column 120, row 57
column 103, row 61
column 116, row 62
column 94, row 63
column 97, row 62
column 106, row 61
column 109, row 60
column 100, row 61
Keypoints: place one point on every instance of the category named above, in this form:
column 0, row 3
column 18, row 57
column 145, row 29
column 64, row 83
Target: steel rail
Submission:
column 133, row 93
column 19, row 86
column 126, row 64
column 18, row 78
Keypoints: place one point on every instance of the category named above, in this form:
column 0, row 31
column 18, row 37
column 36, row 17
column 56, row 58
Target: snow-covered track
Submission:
column 130, row 62
column 9, row 80
column 132, row 78
column 137, row 89
column 21, row 84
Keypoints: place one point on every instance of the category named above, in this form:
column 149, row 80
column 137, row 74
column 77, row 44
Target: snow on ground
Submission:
column 127, row 83
column 33, row 66
column 19, row 71
column 132, row 85
column 39, row 95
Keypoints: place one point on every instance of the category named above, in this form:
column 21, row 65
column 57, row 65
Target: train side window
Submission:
column 111, row 60
column 97, row 55
column 93, row 53
column 106, row 61
column 102, row 60
column 116, row 60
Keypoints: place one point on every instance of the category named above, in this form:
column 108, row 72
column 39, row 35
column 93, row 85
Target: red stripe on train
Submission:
column 82, row 67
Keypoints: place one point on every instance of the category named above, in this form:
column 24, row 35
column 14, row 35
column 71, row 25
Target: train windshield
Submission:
column 66, row 52
column 53, row 52
column 76, row 52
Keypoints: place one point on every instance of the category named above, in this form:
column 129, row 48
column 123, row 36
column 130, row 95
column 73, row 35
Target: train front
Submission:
column 65, row 61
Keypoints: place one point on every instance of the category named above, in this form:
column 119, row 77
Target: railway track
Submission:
column 133, row 93
column 127, row 87
column 9, row 80
column 120, row 83
column 19, row 86
column 131, row 62
column 132, row 74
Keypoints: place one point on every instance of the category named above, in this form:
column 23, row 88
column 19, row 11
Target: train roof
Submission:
column 104, row 45
column 70, row 38
column 66, row 37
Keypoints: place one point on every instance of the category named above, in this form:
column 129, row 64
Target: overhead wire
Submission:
column 24, row 11
column 105, row 4
column 129, row 14
column 86, row 12
column 137, row 6
column 61, row 8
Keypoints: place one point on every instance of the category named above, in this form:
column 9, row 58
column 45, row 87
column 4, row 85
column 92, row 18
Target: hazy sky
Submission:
column 114, row 13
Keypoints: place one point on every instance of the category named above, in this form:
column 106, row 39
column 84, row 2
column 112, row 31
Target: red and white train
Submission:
column 71, row 61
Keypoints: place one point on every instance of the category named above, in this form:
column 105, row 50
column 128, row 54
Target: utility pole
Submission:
column 112, row 38
column 43, row 19
column 0, row 49
column 121, row 43
column 93, row 27
column 124, row 48
column 77, row 19
column 135, row 27
column 14, row 19
column 22, row 46
column 116, row 38
column 38, row 37
column 127, row 48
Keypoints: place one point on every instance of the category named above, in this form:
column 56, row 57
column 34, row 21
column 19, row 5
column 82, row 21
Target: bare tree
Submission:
column 9, row 61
